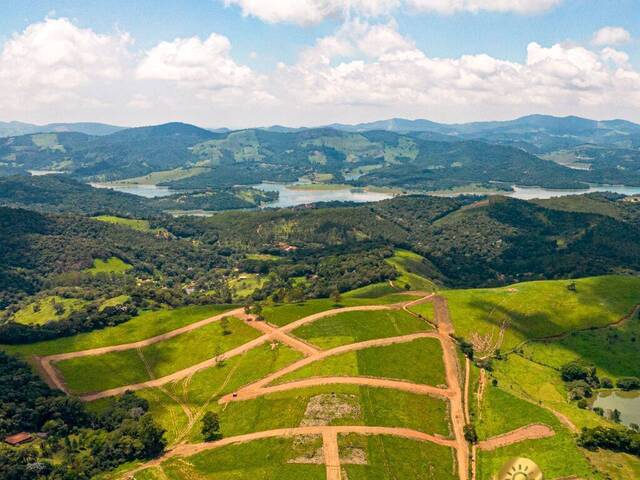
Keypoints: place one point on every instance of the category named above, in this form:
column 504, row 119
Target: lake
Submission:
column 628, row 403
column 290, row 197
column 529, row 193
column 149, row 191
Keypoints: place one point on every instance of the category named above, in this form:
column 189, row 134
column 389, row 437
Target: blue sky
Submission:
column 252, row 72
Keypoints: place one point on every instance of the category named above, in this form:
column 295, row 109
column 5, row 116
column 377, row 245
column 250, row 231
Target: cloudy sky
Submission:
column 240, row 63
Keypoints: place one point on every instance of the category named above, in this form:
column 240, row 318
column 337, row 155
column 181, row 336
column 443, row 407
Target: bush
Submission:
column 606, row 383
column 211, row 427
column 629, row 383
column 470, row 434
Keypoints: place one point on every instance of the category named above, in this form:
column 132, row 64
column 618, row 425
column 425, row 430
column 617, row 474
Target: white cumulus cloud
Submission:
column 54, row 59
column 304, row 12
column 448, row 7
column 611, row 36
column 352, row 68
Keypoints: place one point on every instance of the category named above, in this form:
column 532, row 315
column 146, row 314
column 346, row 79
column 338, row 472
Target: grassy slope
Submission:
column 557, row 455
column 378, row 407
column 282, row 314
column 162, row 358
column 354, row 327
column 613, row 350
column 111, row 265
column 200, row 392
column 259, row 460
column 141, row 225
column 544, row 308
column 145, row 325
column 411, row 270
column 46, row 313
column 419, row 361
column 397, row 458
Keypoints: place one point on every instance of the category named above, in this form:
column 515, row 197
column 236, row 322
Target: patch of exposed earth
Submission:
column 324, row 409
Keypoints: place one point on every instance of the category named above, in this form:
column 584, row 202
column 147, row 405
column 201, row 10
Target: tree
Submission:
column 211, row 427
column 151, row 436
column 335, row 295
column 470, row 434
column 224, row 323
column 629, row 383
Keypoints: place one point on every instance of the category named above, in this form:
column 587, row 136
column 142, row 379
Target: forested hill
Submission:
column 466, row 241
column 59, row 193
column 195, row 158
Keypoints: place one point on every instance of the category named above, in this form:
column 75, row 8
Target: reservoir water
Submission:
column 628, row 403
column 149, row 191
column 290, row 197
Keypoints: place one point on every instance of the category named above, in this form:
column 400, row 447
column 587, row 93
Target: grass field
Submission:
column 258, row 460
column 351, row 327
column 396, row 458
column 282, row 314
column 541, row 385
column 42, row 311
column 246, row 284
column 110, row 265
column 100, row 372
column 115, row 301
column 424, row 309
column 413, row 271
column 206, row 386
column 419, row 361
column 543, row 309
column 613, row 350
column 141, row 225
column 367, row 406
column 557, row 456
column 145, row 325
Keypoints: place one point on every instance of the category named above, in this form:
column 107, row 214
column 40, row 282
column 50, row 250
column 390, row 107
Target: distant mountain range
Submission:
column 8, row 129
column 537, row 150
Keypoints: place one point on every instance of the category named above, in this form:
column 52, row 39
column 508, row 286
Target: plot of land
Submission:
column 101, row 372
column 419, row 361
column 414, row 272
column 261, row 460
column 388, row 457
column 542, row 309
column 351, row 327
column 145, row 325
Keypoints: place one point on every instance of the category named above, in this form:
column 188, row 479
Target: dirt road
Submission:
column 529, row 432
column 445, row 330
column 379, row 342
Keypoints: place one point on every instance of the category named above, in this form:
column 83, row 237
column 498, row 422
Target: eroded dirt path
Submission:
column 452, row 370
column 530, row 432
column 331, row 454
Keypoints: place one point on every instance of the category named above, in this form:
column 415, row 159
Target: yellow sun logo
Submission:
column 520, row 469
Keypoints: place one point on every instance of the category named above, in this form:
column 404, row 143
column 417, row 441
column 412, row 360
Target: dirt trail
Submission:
column 331, row 455
column 379, row 342
column 319, row 381
column 530, row 432
column 277, row 334
column 445, row 329
column 330, row 313
column 467, row 375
